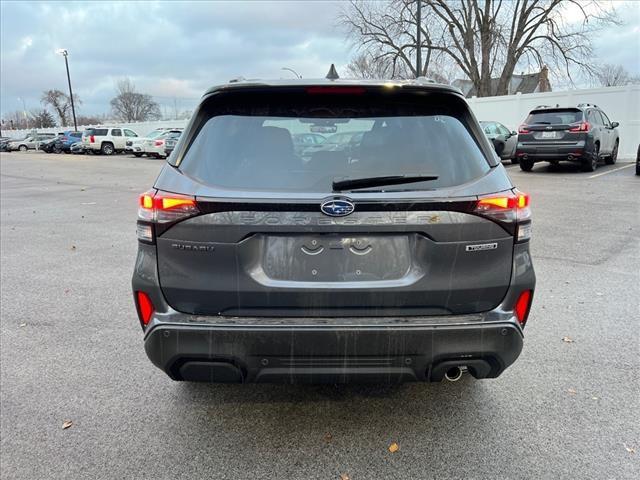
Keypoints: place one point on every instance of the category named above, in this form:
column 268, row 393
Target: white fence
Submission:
column 621, row 104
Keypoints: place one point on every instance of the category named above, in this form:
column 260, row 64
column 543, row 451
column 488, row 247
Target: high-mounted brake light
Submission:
column 162, row 207
column 523, row 305
column 524, row 129
column 145, row 307
column 337, row 90
column 512, row 207
column 580, row 127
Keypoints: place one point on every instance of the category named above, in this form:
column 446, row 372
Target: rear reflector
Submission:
column 522, row 306
column 145, row 307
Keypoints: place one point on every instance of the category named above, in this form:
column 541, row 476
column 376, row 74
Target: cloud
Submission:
column 176, row 50
column 169, row 49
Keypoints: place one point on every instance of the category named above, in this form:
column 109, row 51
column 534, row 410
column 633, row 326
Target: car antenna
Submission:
column 333, row 73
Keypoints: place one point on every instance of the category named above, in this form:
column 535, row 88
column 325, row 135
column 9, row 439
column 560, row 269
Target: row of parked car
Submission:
column 105, row 140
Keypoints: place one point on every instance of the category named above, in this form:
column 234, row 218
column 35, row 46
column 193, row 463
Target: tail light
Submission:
column 524, row 129
column 157, row 207
column 145, row 307
column 159, row 143
column 523, row 305
column 580, row 127
column 511, row 209
column 92, row 139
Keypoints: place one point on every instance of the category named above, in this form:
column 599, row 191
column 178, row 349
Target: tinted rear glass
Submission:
column 249, row 145
column 97, row 131
column 554, row 117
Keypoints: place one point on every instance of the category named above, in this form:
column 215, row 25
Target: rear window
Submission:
column 251, row 146
column 554, row 117
column 97, row 131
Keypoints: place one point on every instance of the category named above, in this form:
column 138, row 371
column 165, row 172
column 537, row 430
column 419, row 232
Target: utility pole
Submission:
column 64, row 53
column 419, row 40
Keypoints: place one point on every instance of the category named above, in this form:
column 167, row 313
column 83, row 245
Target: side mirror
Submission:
column 513, row 132
column 614, row 124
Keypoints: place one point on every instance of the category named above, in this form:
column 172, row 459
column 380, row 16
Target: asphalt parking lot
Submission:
column 71, row 349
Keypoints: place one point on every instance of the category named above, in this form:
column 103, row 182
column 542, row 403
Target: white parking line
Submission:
column 611, row 171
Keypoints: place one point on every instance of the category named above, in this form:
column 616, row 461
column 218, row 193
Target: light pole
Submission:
column 292, row 71
column 24, row 112
column 64, row 53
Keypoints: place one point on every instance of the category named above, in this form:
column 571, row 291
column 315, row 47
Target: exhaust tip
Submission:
column 453, row 374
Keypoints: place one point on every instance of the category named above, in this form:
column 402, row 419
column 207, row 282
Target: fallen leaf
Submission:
column 73, row 247
column 328, row 437
column 394, row 447
column 629, row 449
column 567, row 339
column 82, row 189
column 344, row 476
column 571, row 391
column 66, row 424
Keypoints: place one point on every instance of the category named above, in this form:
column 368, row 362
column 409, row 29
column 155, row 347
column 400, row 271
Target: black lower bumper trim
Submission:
column 309, row 354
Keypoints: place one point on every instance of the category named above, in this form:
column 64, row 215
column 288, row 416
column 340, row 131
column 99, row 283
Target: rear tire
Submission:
column 107, row 148
column 611, row 159
column 138, row 155
column 591, row 163
column 23, row 148
column 514, row 160
column 526, row 164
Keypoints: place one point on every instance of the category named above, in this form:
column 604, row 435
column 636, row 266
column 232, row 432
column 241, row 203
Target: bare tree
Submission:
column 484, row 39
column 42, row 118
column 609, row 75
column 17, row 120
column 130, row 106
column 61, row 103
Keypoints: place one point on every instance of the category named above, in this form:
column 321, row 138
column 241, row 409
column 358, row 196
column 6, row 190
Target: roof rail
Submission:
column 237, row 79
column 581, row 105
column 423, row 79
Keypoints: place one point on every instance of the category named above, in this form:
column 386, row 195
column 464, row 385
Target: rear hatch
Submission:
column 553, row 126
column 274, row 234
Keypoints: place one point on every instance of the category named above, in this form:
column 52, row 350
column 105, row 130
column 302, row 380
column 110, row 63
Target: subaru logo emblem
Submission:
column 337, row 207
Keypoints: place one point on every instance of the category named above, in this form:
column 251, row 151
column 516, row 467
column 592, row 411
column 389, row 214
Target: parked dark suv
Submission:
column 404, row 257
column 583, row 134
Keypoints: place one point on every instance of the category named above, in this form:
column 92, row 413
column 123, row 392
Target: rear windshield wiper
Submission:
column 365, row 182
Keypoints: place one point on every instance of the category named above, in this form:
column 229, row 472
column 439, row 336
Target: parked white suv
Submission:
column 106, row 140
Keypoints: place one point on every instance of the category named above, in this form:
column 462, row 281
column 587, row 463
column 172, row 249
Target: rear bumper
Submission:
column 553, row 152
column 319, row 351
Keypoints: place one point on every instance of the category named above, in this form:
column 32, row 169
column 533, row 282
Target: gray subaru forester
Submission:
column 399, row 253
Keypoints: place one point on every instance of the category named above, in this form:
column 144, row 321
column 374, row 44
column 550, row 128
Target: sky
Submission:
column 175, row 51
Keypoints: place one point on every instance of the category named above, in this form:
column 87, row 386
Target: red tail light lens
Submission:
column 512, row 207
column 162, row 207
column 524, row 129
column 145, row 307
column 580, row 127
column 159, row 143
column 523, row 306
column 92, row 139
